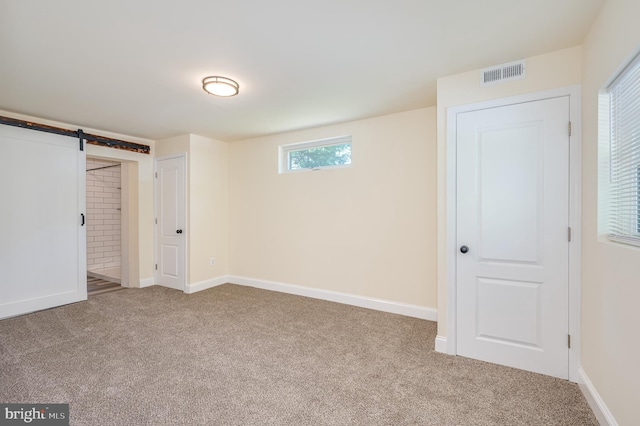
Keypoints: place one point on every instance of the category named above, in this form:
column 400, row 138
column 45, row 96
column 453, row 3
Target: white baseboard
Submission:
column 414, row 311
column 203, row 285
column 441, row 344
column 596, row 403
column 147, row 282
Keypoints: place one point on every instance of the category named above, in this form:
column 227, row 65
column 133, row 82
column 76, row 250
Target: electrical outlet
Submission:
column 212, row 261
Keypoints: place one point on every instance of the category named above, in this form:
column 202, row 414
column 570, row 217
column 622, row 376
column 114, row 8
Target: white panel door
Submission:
column 171, row 218
column 512, row 227
column 43, row 240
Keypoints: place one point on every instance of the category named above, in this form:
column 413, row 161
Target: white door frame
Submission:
column 156, row 240
column 575, row 214
column 124, row 217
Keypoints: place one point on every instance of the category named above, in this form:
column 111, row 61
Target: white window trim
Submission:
column 284, row 150
column 605, row 157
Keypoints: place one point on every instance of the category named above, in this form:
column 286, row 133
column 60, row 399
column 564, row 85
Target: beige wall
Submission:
column 175, row 145
column 207, row 203
column 130, row 274
column 209, row 210
column 611, row 276
column 367, row 230
column 553, row 70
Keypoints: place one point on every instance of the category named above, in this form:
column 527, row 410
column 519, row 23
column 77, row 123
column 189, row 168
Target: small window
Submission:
column 624, row 140
column 316, row 155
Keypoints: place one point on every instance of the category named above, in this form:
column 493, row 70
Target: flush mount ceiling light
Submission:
column 220, row 86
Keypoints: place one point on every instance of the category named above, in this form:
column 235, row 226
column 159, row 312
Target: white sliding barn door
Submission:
column 43, row 243
column 512, row 226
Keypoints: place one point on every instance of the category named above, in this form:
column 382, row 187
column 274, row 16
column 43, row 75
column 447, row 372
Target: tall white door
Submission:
column 171, row 221
column 42, row 237
column 512, row 234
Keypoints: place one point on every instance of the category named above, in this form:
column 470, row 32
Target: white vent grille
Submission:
column 502, row 73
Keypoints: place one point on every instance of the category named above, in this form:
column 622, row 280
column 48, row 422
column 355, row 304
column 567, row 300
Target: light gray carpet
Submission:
column 234, row 355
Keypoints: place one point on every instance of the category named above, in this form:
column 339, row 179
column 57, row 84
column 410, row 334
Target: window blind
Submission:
column 624, row 123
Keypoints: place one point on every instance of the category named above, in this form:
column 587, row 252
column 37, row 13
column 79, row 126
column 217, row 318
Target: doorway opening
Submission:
column 104, row 225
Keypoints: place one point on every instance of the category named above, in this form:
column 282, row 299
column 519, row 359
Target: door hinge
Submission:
column 156, row 220
column 156, row 175
column 569, row 128
column 569, row 233
column 569, row 341
column 156, row 266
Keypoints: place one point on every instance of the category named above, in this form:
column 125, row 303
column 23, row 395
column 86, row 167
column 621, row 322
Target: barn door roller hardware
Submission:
column 78, row 134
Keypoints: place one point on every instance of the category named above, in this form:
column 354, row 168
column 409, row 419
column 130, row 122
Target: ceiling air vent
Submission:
column 502, row 73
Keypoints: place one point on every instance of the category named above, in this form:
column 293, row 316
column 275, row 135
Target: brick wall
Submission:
column 103, row 215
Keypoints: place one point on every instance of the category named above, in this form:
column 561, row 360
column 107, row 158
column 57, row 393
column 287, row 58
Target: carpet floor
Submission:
column 235, row 355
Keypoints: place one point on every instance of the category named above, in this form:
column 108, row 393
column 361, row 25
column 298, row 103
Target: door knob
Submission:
column 179, row 231
column 464, row 249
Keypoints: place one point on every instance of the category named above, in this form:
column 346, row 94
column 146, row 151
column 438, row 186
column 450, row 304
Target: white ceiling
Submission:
column 135, row 66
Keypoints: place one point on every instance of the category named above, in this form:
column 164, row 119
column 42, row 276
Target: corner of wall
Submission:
column 595, row 401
